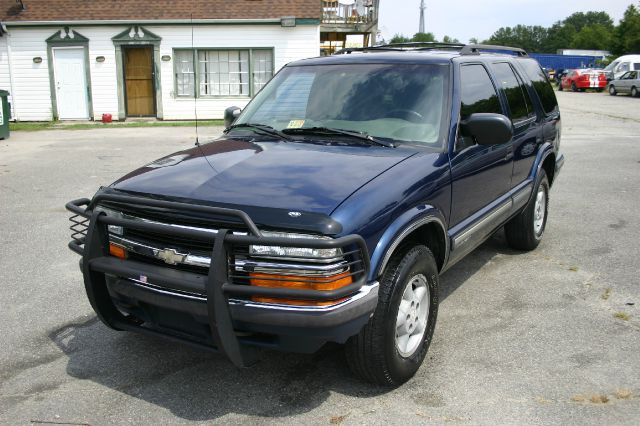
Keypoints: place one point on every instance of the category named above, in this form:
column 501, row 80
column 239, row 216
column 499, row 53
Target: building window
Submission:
column 222, row 72
column 185, row 76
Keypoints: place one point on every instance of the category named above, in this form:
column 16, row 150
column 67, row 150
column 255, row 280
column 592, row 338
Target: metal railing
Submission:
column 350, row 12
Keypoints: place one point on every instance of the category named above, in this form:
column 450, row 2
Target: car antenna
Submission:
column 195, row 98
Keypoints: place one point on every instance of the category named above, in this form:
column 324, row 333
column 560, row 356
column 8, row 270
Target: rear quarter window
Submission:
column 541, row 85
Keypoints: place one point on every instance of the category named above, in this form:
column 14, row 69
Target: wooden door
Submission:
column 138, row 72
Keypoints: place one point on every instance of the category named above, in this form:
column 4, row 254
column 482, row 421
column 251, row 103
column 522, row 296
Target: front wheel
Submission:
column 391, row 347
column 612, row 90
column 634, row 92
column 524, row 232
column 574, row 88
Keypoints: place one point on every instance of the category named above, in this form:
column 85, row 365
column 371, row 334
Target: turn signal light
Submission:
column 117, row 251
column 299, row 282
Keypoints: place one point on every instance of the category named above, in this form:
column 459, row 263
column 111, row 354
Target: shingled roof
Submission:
column 161, row 10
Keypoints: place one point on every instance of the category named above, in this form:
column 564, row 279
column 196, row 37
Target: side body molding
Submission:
column 399, row 229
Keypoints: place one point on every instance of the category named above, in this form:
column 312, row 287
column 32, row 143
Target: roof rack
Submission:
column 417, row 45
column 465, row 49
column 474, row 49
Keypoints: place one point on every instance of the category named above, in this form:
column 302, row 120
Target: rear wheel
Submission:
column 391, row 347
column 634, row 92
column 525, row 231
column 574, row 88
column 612, row 90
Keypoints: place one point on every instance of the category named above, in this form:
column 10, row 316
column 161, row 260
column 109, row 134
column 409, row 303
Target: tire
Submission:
column 612, row 90
column 574, row 88
column 634, row 92
column 379, row 354
column 525, row 231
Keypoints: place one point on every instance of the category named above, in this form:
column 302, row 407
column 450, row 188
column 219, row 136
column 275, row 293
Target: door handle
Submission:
column 509, row 155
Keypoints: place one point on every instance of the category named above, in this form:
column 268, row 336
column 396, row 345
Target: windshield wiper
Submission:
column 259, row 128
column 331, row 131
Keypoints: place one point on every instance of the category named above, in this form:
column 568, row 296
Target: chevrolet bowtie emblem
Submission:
column 170, row 256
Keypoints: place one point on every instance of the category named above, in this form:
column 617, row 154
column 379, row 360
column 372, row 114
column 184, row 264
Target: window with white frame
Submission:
column 218, row 72
column 185, row 75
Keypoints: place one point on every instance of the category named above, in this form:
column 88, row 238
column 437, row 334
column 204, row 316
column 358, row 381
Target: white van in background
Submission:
column 621, row 65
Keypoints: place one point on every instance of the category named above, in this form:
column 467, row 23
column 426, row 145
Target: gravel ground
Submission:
column 547, row 337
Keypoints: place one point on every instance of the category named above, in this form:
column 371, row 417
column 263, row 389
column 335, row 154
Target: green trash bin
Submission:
column 5, row 114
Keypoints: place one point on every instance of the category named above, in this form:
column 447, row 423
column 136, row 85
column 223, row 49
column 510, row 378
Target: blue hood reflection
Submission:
column 296, row 176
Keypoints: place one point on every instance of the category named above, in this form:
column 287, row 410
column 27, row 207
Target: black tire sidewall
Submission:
column 612, row 90
column 418, row 260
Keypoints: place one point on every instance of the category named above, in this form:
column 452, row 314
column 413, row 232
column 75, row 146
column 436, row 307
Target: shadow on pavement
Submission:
column 198, row 385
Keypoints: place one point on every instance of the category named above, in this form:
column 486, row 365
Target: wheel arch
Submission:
column 426, row 227
column 546, row 160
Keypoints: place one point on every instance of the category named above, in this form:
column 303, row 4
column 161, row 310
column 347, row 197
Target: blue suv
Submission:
column 330, row 207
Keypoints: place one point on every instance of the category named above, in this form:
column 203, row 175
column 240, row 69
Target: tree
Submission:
column 595, row 36
column 627, row 33
column 424, row 37
column 530, row 38
column 559, row 36
column 447, row 39
column 473, row 40
column 398, row 38
column 580, row 20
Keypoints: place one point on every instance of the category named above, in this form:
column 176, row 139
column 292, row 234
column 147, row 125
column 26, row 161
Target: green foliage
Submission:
column 399, row 38
column 580, row 30
column 424, row 37
column 627, row 33
column 530, row 38
column 594, row 36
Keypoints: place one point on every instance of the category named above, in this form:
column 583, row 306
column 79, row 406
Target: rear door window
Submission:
column 541, row 85
column 517, row 96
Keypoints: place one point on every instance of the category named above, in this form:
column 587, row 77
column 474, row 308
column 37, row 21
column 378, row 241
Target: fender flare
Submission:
column 399, row 229
column 545, row 151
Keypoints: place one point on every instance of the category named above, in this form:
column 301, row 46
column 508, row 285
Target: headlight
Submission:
column 114, row 229
column 294, row 252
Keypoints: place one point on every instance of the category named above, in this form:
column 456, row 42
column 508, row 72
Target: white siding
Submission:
column 31, row 90
column 5, row 80
column 104, row 80
column 31, row 81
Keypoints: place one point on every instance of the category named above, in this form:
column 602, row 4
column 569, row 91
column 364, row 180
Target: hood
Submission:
column 249, row 172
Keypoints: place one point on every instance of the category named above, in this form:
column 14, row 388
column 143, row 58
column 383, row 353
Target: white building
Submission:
column 78, row 60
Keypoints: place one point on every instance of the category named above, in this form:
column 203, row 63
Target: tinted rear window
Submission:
column 541, row 85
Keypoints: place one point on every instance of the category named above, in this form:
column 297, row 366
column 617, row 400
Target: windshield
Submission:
column 611, row 66
column 397, row 102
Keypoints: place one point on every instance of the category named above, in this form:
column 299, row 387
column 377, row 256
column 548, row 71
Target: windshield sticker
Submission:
column 295, row 124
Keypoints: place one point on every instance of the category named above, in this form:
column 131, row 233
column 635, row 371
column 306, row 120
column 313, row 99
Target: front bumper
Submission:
column 211, row 310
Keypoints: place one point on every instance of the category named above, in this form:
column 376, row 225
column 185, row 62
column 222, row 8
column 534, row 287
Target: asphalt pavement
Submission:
column 546, row 337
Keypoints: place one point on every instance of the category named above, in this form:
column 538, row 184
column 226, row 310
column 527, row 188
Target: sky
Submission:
column 463, row 19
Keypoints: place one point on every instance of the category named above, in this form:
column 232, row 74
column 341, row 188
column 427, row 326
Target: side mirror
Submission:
column 487, row 129
column 230, row 115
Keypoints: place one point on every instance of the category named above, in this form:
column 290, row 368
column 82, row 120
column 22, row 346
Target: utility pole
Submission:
column 422, row 8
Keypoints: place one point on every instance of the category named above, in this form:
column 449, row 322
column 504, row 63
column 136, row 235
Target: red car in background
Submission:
column 583, row 79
